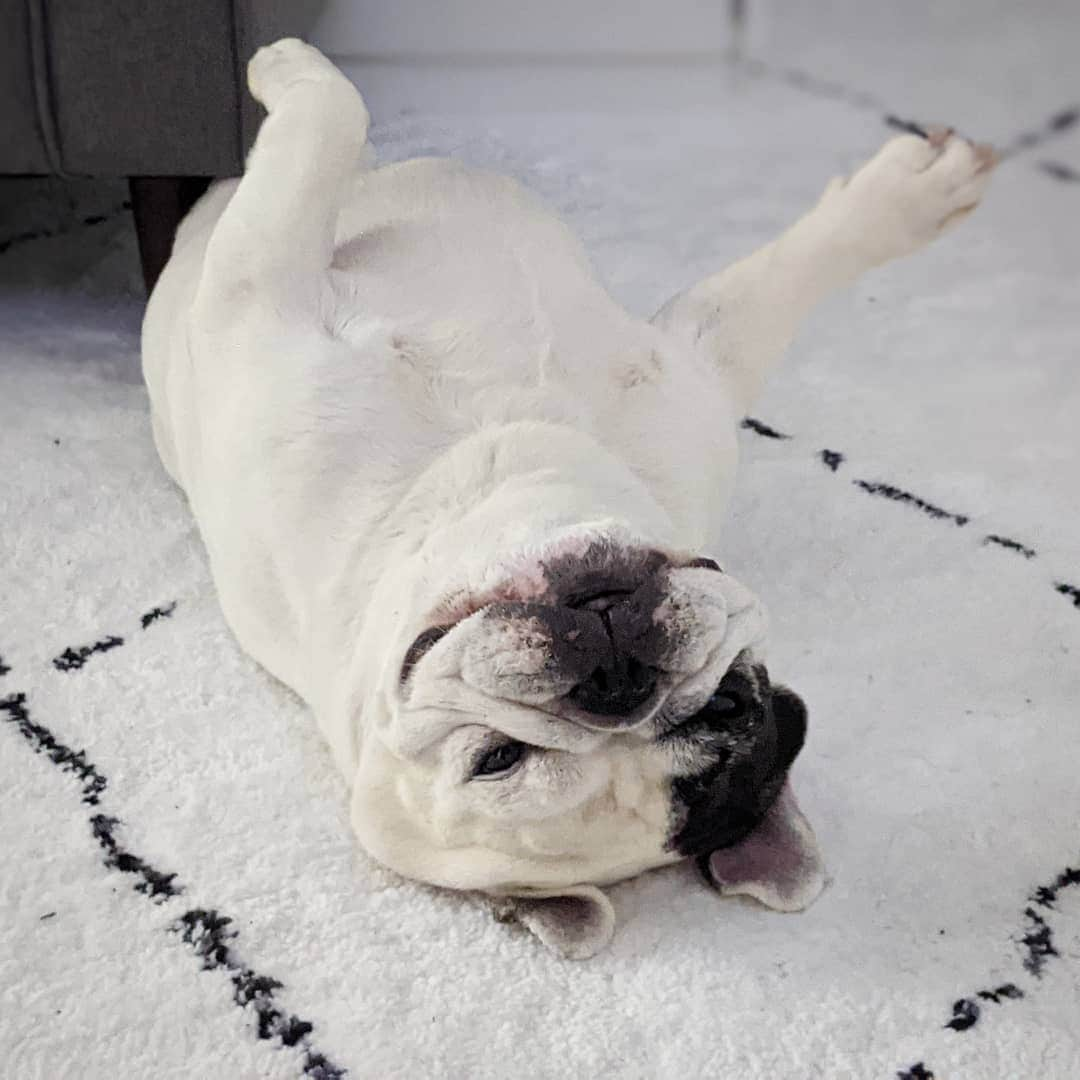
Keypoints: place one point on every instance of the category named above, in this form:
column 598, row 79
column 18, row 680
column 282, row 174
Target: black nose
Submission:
column 616, row 689
column 620, row 680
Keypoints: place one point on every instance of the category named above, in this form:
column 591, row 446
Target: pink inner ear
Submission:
column 779, row 863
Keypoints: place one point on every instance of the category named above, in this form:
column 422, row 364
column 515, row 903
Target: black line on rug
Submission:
column 760, row 428
column 205, row 930
column 1071, row 591
column 155, row 884
column 897, row 495
column 44, row 742
column 965, row 1015
column 1012, row 545
column 157, row 613
column 966, row 1011
column 4, row 669
column 833, row 459
column 918, row 1071
column 1045, row 896
column 207, row 933
column 1037, row 941
column 1060, row 172
column 44, row 234
column 1061, row 121
column 826, row 88
column 72, row 659
column 813, row 84
column 1008, row 990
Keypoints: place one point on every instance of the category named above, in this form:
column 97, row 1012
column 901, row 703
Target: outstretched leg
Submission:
column 276, row 236
column 911, row 192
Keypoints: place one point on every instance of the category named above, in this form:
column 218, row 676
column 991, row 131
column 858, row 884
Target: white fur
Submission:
column 389, row 392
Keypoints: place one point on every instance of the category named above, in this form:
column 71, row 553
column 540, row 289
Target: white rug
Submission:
column 180, row 894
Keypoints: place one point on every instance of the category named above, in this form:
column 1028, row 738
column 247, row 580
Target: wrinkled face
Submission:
column 602, row 711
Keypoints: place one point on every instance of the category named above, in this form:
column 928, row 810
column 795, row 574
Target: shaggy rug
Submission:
column 180, row 894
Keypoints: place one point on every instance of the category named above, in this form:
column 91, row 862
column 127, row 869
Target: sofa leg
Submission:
column 158, row 204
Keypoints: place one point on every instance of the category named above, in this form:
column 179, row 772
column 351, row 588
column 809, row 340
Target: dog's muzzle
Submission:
column 605, row 635
column 601, row 644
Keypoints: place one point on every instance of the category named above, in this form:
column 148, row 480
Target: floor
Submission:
column 184, row 895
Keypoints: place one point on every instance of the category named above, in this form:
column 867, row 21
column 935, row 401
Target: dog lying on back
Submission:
column 469, row 508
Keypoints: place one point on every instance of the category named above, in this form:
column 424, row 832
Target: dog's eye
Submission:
column 500, row 760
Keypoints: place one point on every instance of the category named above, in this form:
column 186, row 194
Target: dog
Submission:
column 468, row 508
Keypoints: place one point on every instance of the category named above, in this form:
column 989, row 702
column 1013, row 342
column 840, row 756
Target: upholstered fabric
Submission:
column 22, row 147
column 126, row 87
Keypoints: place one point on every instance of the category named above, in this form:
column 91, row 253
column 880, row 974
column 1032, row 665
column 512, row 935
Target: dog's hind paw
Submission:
column 276, row 69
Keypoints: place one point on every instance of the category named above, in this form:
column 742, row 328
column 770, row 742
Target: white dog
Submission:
column 465, row 505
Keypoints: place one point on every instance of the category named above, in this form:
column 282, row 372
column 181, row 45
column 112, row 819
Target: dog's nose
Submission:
column 615, row 690
column 620, row 679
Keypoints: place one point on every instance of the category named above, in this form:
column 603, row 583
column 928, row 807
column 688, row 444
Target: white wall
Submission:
column 420, row 55
column 393, row 30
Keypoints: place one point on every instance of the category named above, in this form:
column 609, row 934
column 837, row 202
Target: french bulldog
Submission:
column 469, row 508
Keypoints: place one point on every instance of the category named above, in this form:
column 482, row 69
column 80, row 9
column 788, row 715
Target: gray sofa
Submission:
column 151, row 90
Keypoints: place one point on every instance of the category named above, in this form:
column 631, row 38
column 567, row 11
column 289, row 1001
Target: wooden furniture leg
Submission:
column 159, row 203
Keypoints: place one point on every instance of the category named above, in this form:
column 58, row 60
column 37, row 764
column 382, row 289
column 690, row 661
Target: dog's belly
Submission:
column 475, row 277
column 491, row 300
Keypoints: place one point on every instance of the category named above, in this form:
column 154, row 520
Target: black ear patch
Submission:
column 789, row 712
column 746, row 739
column 737, row 817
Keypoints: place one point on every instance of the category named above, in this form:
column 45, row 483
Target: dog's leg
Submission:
column 911, row 192
column 275, row 238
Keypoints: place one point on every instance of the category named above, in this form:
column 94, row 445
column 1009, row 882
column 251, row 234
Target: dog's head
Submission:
column 600, row 710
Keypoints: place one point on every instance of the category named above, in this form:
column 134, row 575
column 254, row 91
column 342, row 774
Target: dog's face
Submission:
column 602, row 711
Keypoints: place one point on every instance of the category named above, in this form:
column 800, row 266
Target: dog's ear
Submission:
column 779, row 863
column 789, row 714
column 577, row 922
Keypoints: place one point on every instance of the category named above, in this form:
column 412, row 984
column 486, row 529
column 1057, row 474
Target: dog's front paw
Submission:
column 911, row 191
column 276, row 69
